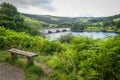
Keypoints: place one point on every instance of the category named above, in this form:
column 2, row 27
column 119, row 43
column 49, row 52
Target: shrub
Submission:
column 21, row 40
column 66, row 38
column 34, row 70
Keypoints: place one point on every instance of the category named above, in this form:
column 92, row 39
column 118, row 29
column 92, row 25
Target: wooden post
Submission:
column 30, row 61
column 14, row 56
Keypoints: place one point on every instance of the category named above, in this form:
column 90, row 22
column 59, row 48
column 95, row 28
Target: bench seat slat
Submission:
column 20, row 52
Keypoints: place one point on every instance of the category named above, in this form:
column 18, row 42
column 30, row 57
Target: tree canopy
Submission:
column 10, row 17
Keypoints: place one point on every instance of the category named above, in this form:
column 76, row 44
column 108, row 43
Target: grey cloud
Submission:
column 45, row 4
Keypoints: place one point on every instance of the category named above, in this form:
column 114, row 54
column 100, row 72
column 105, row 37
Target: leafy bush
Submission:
column 21, row 40
column 54, row 62
column 80, row 43
column 88, row 59
column 66, row 38
column 3, row 55
column 34, row 70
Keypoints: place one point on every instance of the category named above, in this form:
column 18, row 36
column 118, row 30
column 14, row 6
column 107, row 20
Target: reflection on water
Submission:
column 95, row 35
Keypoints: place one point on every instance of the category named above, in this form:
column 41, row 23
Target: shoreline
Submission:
column 97, row 31
column 86, row 31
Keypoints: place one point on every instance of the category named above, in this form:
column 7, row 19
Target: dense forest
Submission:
column 70, row 57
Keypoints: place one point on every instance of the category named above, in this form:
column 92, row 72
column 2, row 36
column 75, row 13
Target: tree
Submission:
column 66, row 38
column 118, row 24
column 78, row 26
column 10, row 17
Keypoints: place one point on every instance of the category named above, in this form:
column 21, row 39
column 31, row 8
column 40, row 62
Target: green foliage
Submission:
column 116, row 19
column 98, row 24
column 88, row 59
column 15, row 62
column 3, row 55
column 54, row 19
column 81, row 43
column 118, row 24
column 66, row 38
column 78, row 27
column 84, row 58
column 34, row 26
column 54, row 62
column 80, row 23
column 10, row 18
column 34, row 70
column 12, row 39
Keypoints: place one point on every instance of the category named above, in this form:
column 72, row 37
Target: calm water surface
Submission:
column 95, row 35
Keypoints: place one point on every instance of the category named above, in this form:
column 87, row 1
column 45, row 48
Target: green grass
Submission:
column 4, row 55
column 54, row 19
column 33, row 23
column 118, row 30
column 111, row 29
column 93, row 29
column 33, row 72
column 43, row 59
column 107, row 29
column 116, row 20
column 101, row 23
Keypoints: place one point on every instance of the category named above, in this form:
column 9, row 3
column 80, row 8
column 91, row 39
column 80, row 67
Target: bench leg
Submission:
column 14, row 56
column 30, row 61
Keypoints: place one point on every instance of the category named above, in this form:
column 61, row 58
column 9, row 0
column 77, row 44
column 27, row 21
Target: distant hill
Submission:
column 56, row 19
column 109, row 24
column 110, row 18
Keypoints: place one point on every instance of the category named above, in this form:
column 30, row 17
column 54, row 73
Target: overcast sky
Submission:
column 68, row 8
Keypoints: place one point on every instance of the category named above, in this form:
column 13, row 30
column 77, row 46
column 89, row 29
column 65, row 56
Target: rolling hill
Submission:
column 56, row 19
column 109, row 24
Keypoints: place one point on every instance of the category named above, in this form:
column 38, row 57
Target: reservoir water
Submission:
column 95, row 35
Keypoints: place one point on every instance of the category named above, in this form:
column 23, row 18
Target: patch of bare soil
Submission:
column 45, row 68
column 9, row 72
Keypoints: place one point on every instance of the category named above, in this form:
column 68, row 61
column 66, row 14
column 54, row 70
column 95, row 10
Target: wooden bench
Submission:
column 14, row 52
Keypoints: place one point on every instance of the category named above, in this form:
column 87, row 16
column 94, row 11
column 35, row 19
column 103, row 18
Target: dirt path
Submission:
column 45, row 68
column 9, row 72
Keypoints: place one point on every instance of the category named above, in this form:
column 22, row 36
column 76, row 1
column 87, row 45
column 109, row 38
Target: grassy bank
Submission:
column 99, row 29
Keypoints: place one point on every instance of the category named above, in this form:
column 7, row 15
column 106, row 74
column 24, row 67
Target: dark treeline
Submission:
column 51, row 19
